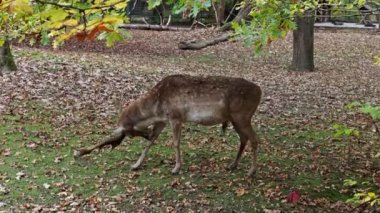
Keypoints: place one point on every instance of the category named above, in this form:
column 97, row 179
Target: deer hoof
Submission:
column 232, row 166
column 77, row 154
column 251, row 172
column 134, row 167
column 175, row 171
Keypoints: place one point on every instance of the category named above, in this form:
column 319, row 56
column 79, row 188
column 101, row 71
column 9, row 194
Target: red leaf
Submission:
column 81, row 36
column 377, row 178
column 91, row 36
column 293, row 197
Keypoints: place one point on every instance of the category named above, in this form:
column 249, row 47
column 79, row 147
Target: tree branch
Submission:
column 77, row 8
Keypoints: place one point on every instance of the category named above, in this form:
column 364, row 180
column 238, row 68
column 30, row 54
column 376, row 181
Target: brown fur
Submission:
column 181, row 98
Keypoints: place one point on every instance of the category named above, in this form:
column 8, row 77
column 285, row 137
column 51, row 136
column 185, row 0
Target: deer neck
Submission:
column 144, row 112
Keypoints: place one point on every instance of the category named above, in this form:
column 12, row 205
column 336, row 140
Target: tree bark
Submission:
column 243, row 13
column 7, row 62
column 303, row 43
column 220, row 9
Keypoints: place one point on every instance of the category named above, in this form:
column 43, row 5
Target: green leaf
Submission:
column 355, row 133
column 361, row 2
column 353, row 105
column 178, row 8
column 44, row 38
column 112, row 38
column 153, row 3
column 349, row 6
column 349, row 182
column 343, row 130
column 83, row 5
column 337, row 126
column 373, row 111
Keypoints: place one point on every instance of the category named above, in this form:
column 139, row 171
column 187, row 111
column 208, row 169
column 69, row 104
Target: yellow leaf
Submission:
column 71, row 22
column 377, row 60
column 113, row 19
column 21, row 6
column 121, row 5
column 112, row 2
column 93, row 23
column 53, row 25
column 32, row 41
column 361, row 2
column 53, row 33
column 55, row 15
column 55, row 44
column 371, row 195
column 63, row 37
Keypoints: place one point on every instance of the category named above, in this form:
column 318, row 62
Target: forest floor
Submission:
column 61, row 100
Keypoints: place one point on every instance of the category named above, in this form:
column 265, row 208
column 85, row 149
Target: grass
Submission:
column 51, row 173
column 37, row 167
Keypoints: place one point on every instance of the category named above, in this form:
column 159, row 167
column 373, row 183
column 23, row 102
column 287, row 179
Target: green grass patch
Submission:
column 37, row 166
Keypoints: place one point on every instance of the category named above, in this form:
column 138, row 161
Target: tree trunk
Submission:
column 303, row 43
column 243, row 13
column 7, row 62
column 220, row 12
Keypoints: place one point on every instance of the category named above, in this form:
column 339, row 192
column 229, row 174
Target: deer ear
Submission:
column 127, row 103
column 122, row 105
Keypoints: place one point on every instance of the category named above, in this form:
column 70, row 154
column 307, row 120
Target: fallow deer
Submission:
column 182, row 98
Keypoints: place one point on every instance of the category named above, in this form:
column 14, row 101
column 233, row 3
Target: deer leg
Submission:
column 157, row 129
column 243, row 126
column 243, row 143
column 246, row 129
column 224, row 127
column 114, row 141
column 254, row 140
column 176, row 127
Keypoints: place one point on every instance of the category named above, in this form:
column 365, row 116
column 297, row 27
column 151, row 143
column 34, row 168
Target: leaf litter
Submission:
column 82, row 86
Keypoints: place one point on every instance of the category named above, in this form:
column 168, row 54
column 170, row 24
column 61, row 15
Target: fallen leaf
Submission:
column 20, row 175
column 293, row 197
column 58, row 159
column 31, row 145
column 241, row 191
column 3, row 190
column 46, row 185
column 272, row 211
column 6, row 152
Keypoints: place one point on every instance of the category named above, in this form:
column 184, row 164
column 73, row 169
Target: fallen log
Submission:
column 200, row 44
column 154, row 27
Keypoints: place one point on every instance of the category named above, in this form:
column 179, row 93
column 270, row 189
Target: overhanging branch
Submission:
column 77, row 8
